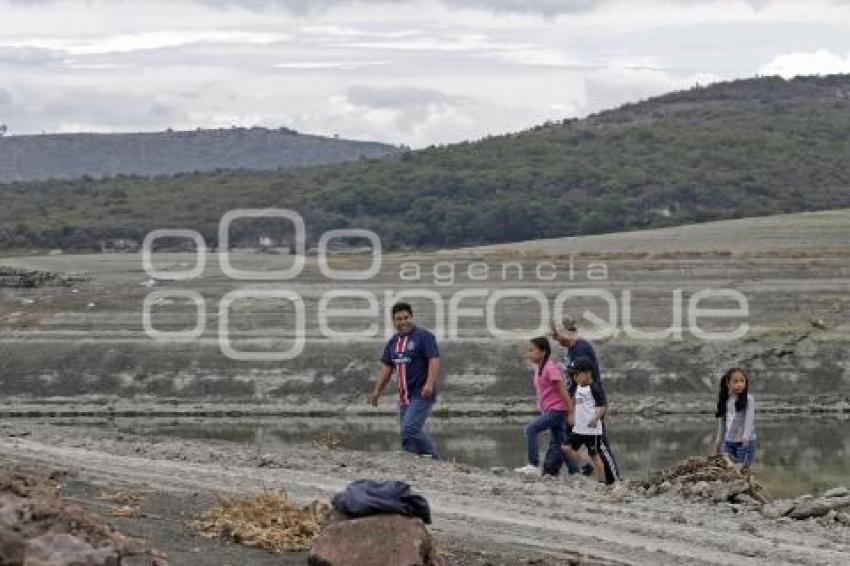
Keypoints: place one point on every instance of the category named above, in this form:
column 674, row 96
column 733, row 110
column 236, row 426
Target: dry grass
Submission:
column 121, row 497
column 268, row 520
column 127, row 503
column 328, row 440
column 126, row 511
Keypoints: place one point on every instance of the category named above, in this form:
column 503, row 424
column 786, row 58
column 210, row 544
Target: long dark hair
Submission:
column 723, row 397
column 542, row 344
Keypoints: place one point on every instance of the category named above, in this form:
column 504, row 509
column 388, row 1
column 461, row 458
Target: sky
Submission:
column 414, row 72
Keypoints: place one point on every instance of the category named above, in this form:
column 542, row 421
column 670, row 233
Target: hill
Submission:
column 805, row 234
column 738, row 149
column 67, row 156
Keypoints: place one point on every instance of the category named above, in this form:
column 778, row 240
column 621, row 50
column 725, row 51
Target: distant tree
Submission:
column 3, row 129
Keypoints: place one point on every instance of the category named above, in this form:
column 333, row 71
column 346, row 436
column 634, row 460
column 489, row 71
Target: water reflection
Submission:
column 803, row 455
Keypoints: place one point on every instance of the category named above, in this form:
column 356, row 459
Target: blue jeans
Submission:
column 739, row 453
column 412, row 419
column 555, row 423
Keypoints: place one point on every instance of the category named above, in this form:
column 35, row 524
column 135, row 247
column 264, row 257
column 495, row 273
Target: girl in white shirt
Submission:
column 736, row 414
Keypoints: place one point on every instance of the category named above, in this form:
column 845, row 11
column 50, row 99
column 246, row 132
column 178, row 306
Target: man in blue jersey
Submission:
column 413, row 354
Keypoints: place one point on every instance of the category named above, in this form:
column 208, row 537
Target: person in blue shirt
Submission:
column 413, row 355
column 577, row 348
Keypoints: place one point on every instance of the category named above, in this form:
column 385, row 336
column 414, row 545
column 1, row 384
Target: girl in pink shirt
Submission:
column 553, row 401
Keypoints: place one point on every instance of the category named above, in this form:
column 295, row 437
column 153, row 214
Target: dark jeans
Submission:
column 572, row 467
column 412, row 419
column 744, row 455
column 555, row 423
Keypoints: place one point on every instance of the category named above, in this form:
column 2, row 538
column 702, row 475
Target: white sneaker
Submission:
column 528, row 470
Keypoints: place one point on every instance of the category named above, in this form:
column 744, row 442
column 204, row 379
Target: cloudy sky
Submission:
column 416, row 72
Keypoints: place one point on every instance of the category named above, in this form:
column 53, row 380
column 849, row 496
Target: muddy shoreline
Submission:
column 477, row 512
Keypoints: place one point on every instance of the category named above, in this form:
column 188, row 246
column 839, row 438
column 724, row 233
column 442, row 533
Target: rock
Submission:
column 837, row 492
column 827, row 519
column 725, row 491
column 68, row 549
column 679, row 518
column 498, row 470
column 776, row 509
column 843, row 518
column 809, row 508
column 749, row 528
column 701, row 488
column 838, row 503
column 380, row 540
column 745, row 499
column 804, row 499
column 265, row 461
column 12, row 547
column 38, row 524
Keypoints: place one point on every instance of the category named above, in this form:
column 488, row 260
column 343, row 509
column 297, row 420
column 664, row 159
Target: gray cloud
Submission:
column 307, row 6
column 85, row 109
column 411, row 107
column 28, row 56
column 397, row 98
column 430, row 71
column 542, row 7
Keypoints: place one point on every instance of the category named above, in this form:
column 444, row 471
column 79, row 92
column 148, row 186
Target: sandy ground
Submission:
column 481, row 516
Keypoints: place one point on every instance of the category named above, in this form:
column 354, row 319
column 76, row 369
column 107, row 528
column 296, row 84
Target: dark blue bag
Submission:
column 369, row 497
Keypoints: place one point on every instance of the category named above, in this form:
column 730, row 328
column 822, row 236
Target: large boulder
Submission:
column 837, row 492
column 807, row 507
column 37, row 527
column 379, row 540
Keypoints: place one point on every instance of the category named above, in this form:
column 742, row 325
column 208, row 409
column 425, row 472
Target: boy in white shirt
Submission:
column 589, row 405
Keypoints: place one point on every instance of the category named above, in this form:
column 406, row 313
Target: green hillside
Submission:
column 744, row 148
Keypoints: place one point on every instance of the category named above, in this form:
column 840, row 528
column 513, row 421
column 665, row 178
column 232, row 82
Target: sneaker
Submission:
column 528, row 470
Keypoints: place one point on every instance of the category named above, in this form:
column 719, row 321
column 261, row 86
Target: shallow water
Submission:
column 794, row 455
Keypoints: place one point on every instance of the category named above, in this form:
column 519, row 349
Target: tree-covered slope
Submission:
column 68, row 156
column 744, row 148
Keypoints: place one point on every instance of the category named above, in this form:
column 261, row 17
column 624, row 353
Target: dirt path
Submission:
column 557, row 518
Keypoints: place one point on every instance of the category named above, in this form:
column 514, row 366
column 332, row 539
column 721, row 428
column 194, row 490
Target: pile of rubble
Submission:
column 833, row 506
column 38, row 527
column 714, row 478
column 717, row 479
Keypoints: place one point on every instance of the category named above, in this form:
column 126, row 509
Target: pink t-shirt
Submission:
column 546, row 386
